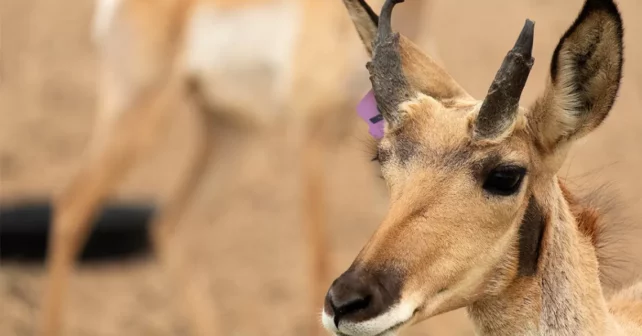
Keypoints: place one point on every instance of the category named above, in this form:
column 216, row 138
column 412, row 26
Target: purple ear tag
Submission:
column 368, row 111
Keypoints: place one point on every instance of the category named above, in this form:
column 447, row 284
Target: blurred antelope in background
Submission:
column 248, row 61
column 478, row 217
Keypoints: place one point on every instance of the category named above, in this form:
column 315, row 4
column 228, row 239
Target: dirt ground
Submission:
column 248, row 234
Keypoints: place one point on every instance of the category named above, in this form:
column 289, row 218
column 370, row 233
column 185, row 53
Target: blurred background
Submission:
column 244, row 226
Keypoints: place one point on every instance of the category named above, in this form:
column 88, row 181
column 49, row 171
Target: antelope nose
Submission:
column 357, row 296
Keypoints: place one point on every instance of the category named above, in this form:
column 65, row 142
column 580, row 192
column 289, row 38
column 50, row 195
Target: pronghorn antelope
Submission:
column 478, row 217
column 249, row 60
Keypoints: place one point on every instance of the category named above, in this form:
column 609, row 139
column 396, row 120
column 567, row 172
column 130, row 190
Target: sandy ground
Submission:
column 249, row 234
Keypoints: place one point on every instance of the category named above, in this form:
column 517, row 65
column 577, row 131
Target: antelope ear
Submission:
column 585, row 76
column 365, row 21
column 422, row 72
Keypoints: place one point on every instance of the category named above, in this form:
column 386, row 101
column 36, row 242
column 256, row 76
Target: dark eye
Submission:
column 504, row 181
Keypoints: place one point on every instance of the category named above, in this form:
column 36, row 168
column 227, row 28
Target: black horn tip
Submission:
column 524, row 44
column 391, row 4
column 385, row 25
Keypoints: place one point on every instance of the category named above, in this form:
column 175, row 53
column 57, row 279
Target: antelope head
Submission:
column 470, row 181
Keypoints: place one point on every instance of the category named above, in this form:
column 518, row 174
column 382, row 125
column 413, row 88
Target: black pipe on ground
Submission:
column 120, row 231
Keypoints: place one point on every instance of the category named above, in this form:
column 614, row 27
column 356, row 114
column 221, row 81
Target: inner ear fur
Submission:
column 585, row 75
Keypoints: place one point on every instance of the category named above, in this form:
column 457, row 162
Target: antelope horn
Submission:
column 500, row 106
column 389, row 83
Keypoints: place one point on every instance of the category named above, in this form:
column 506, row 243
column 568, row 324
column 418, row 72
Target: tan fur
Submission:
column 143, row 51
column 455, row 245
column 587, row 218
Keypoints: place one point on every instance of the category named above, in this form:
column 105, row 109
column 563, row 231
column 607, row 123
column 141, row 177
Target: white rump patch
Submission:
column 104, row 12
column 244, row 54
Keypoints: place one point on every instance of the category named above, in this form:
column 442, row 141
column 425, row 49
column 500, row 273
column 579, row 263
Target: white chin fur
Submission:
column 378, row 326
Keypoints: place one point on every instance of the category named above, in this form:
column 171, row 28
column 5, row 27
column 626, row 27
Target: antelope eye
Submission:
column 504, row 180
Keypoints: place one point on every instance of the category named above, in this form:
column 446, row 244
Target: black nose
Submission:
column 359, row 295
